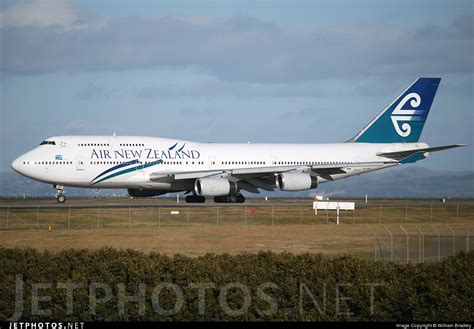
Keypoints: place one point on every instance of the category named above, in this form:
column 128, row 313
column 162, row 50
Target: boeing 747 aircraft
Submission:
column 149, row 166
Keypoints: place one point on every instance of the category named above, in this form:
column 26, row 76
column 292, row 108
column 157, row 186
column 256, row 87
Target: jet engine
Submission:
column 214, row 187
column 296, row 181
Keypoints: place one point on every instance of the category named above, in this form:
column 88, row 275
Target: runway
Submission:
column 73, row 204
column 149, row 205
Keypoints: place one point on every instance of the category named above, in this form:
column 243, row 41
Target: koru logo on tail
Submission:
column 404, row 115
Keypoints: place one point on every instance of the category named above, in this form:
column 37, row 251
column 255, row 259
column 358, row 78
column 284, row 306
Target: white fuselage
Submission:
column 130, row 161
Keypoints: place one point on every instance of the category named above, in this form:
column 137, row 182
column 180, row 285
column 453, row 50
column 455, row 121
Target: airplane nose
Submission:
column 16, row 165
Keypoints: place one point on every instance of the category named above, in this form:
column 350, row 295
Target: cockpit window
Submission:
column 48, row 143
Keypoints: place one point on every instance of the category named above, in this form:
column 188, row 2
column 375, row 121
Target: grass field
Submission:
column 279, row 226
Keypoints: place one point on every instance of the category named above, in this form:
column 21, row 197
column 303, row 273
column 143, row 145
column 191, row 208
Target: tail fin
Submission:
column 403, row 120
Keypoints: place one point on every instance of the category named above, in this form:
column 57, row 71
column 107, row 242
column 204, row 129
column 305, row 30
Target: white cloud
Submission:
column 42, row 13
column 93, row 91
column 238, row 48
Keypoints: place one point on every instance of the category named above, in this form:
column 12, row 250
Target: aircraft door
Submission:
column 80, row 162
column 273, row 160
column 114, row 145
column 212, row 161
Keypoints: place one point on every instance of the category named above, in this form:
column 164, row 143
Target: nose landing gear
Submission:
column 60, row 193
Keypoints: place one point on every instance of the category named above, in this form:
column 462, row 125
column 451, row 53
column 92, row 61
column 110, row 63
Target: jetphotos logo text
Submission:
column 176, row 151
column 407, row 115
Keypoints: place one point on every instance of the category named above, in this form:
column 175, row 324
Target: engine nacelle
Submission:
column 214, row 187
column 145, row 193
column 296, row 181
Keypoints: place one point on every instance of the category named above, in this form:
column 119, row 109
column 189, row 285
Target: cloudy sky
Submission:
column 231, row 71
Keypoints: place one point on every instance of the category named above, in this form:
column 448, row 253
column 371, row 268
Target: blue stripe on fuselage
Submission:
column 128, row 170
column 116, row 167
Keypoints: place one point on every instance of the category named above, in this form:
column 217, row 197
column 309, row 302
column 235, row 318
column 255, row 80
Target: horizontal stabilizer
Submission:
column 404, row 154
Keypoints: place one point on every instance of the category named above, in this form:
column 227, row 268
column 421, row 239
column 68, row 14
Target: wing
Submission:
column 252, row 179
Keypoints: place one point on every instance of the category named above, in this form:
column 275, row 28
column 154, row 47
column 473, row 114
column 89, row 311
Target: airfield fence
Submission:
column 401, row 233
column 420, row 243
column 77, row 217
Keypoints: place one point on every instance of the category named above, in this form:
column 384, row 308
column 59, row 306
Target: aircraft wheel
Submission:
column 195, row 199
column 61, row 198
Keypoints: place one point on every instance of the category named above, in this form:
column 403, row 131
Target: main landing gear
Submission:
column 60, row 193
column 195, row 199
column 233, row 198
